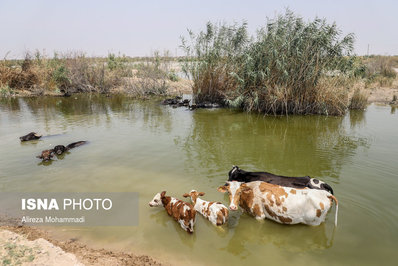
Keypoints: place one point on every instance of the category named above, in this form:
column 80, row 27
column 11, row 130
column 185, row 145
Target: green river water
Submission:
column 142, row 146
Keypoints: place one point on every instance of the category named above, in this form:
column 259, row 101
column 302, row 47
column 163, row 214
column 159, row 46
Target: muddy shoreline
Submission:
column 38, row 246
column 83, row 253
column 381, row 95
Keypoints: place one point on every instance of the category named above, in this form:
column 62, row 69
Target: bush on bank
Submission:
column 74, row 72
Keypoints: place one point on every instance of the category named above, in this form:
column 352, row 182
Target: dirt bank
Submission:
column 28, row 245
column 382, row 94
column 17, row 249
column 376, row 94
column 182, row 86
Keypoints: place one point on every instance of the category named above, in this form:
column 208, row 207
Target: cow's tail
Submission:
column 337, row 208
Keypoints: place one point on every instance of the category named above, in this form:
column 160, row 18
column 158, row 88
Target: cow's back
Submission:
column 290, row 205
column 183, row 212
column 286, row 181
column 308, row 206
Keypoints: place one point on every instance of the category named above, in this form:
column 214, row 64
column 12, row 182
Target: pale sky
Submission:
column 137, row 28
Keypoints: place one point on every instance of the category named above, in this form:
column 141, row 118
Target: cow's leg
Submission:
column 260, row 212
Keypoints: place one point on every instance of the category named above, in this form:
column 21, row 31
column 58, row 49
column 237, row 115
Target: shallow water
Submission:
column 146, row 147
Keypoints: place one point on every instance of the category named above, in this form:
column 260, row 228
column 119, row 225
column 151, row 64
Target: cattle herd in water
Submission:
column 263, row 195
column 48, row 155
column 283, row 199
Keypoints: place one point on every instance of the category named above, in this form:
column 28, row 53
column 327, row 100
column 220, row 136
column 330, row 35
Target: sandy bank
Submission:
column 33, row 246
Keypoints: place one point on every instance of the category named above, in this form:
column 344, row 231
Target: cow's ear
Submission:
column 163, row 194
column 185, row 195
column 222, row 189
column 201, row 193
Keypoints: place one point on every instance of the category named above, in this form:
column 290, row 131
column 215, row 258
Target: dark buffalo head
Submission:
column 59, row 149
column 30, row 136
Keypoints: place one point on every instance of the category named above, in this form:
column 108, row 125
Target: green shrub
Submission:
column 60, row 76
column 6, row 91
column 173, row 76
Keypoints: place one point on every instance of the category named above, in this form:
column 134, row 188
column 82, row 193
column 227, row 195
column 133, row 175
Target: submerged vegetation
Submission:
column 289, row 67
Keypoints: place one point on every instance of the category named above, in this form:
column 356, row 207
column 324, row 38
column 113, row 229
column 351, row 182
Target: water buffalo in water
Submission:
column 237, row 174
column 47, row 155
column 30, row 136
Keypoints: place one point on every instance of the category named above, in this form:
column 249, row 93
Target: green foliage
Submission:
column 173, row 76
column 6, row 91
column 60, row 76
column 116, row 62
column 277, row 71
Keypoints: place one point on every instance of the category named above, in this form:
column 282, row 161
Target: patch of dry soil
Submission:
column 32, row 246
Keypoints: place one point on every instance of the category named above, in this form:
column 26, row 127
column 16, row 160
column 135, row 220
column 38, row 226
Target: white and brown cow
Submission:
column 213, row 211
column 284, row 205
column 183, row 212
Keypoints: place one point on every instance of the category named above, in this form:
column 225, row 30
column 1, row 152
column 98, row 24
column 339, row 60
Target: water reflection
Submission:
column 162, row 218
column 93, row 109
column 294, row 145
column 357, row 118
column 7, row 103
column 297, row 238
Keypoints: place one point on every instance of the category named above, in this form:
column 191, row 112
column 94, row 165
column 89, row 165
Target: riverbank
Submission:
column 375, row 94
column 28, row 245
column 182, row 86
column 164, row 76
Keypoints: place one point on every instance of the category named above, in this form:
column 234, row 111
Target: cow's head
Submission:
column 194, row 195
column 157, row 200
column 234, row 189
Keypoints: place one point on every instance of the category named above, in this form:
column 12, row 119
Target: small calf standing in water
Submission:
column 183, row 212
column 215, row 212
column 30, row 136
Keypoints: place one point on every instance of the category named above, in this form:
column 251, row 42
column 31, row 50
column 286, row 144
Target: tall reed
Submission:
column 289, row 67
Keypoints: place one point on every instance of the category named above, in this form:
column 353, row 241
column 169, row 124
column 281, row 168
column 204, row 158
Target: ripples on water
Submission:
column 146, row 147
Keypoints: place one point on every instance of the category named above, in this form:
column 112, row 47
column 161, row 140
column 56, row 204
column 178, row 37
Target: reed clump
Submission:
column 289, row 67
column 359, row 100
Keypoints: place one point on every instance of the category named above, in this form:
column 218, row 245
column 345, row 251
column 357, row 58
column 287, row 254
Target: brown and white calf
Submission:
column 183, row 212
column 284, row 205
column 213, row 211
